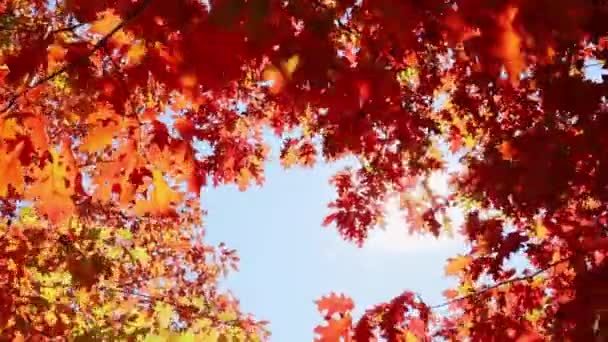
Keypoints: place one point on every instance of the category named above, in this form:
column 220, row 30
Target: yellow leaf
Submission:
column 154, row 338
column 50, row 294
column 184, row 337
column 124, row 234
column 164, row 313
column 457, row 264
column 82, row 297
column 50, row 318
column 289, row 66
column 540, row 230
column 27, row 216
column 9, row 128
column 114, row 252
column 209, row 336
column 227, row 316
column 469, row 141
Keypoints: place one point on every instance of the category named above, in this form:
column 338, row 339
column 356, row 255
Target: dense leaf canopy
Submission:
column 114, row 114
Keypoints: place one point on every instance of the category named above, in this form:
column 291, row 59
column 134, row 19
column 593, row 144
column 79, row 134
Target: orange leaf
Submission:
column 10, row 169
column 335, row 304
column 161, row 198
column 103, row 126
column 136, row 53
column 335, row 330
column 507, row 151
column 99, row 138
column 36, row 125
column 9, row 128
column 54, row 186
column 457, row 264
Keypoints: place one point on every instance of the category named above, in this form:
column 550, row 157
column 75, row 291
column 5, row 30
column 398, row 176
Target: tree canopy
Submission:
column 114, row 114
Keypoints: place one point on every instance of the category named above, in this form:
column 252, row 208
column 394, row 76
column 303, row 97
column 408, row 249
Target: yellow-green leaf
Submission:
column 140, row 254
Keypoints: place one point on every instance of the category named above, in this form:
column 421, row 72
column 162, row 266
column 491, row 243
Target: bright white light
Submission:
column 438, row 182
column 395, row 237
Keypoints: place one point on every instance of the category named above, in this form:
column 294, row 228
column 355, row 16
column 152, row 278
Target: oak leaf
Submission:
column 334, row 303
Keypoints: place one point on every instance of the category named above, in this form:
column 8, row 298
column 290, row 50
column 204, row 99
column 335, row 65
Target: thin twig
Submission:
column 500, row 284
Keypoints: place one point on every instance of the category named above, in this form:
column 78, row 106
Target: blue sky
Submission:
column 288, row 260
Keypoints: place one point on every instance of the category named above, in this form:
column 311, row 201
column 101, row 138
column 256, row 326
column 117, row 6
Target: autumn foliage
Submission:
column 114, row 115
